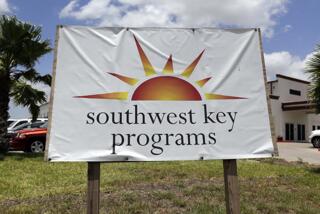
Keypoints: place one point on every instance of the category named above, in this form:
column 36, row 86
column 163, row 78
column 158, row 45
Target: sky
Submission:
column 290, row 27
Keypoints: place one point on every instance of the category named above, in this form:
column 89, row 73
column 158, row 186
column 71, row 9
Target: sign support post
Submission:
column 93, row 194
column 231, row 185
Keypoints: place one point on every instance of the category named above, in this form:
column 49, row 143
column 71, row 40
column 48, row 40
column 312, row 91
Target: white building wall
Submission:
column 276, row 115
column 273, row 87
column 313, row 120
column 43, row 112
column 295, row 117
column 281, row 87
column 44, row 109
column 284, row 86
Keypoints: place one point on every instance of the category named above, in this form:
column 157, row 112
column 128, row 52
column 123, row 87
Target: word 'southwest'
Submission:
column 135, row 116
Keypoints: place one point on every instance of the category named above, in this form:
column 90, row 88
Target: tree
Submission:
column 20, row 48
column 313, row 68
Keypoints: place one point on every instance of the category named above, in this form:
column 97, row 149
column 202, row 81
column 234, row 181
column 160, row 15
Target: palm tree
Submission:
column 313, row 68
column 20, row 48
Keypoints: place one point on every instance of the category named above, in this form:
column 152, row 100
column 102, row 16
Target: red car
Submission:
column 29, row 140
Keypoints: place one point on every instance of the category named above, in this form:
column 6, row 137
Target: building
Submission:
column 293, row 115
column 44, row 109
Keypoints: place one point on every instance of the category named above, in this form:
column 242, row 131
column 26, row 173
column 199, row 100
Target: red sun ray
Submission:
column 148, row 69
column 188, row 71
column 168, row 68
column 221, row 97
column 108, row 96
column 202, row 82
column 128, row 80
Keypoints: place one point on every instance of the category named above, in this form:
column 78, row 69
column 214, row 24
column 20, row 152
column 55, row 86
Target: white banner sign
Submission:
column 152, row 94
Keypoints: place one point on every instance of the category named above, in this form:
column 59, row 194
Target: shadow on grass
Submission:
column 20, row 156
column 315, row 170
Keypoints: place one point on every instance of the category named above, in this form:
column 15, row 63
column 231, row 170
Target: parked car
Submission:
column 29, row 140
column 17, row 122
column 13, row 132
column 10, row 121
column 315, row 138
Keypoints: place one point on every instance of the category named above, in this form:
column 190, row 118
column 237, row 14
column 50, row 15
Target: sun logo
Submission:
column 163, row 86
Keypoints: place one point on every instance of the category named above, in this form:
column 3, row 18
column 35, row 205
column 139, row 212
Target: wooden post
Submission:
column 93, row 194
column 232, row 193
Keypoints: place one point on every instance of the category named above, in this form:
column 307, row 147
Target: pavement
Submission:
column 299, row 152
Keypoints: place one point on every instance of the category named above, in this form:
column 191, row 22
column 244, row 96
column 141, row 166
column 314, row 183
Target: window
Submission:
column 289, row 131
column 37, row 124
column 313, row 128
column 295, row 92
column 10, row 122
column 21, row 126
column 301, row 132
column 20, row 123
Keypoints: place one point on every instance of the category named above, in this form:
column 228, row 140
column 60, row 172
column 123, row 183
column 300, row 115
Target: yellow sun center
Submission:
column 166, row 88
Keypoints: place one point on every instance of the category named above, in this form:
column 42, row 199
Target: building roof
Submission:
column 292, row 79
column 288, row 78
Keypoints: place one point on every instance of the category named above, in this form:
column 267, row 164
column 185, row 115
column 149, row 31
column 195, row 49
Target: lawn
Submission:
column 30, row 185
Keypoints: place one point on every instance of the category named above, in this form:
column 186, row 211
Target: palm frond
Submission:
column 46, row 79
column 31, row 75
column 20, row 48
column 25, row 95
column 312, row 67
column 21, row 42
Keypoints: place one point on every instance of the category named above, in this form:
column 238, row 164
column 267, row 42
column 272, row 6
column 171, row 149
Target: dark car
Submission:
column 29, row 140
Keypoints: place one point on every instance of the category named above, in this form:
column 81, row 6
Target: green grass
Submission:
column 30, row 185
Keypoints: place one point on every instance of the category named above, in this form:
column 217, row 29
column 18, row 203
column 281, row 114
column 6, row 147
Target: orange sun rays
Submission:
column 167, row 88
column 188, row 71
column 148, row 69
column 168, row 68
column 109, row 96
column 202, row 82
column 128, row 80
